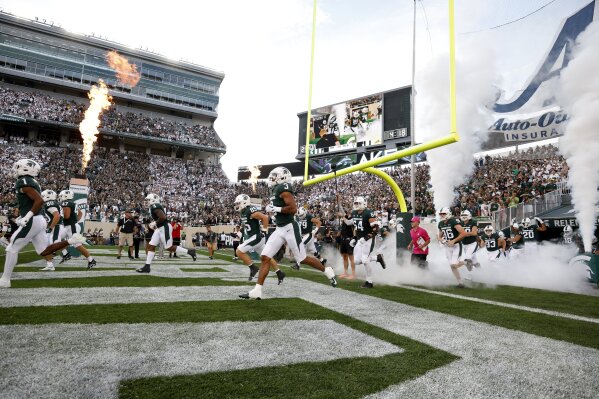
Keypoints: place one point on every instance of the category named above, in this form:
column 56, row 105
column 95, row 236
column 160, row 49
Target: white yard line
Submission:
column 89, row 360
column 505, row 305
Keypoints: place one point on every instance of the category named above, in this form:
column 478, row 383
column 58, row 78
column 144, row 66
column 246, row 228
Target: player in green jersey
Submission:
column 255, row 225
column 365, row 228
column 163, row 234
column 493, row 242
column 70, row 219
column 451, row 234
column 517, row 241
column 55, row 229
column 31, row 222
column 309, row 226
column 284, row 207
column 470, row 242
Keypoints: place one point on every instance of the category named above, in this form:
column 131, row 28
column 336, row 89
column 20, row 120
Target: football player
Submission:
column 451, row 234
column 530, row 232
column 284, row 207
column 162, row 234
column 365, row 228
column 70, row 218
column 253, row 235
column 55, row 230
column 516, row 241
column 31, row 222
column 309, row 226
column 494, row 243
column 470, row 242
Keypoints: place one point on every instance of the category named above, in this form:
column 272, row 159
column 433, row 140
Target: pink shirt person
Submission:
column 419, row 238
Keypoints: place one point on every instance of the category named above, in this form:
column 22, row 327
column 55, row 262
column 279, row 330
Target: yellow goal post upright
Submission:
column 369, row 166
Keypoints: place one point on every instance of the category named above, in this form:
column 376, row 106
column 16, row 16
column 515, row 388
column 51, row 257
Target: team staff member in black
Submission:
column 211, row 240
column 126, row 225
column 347, row 251
column 137, row 235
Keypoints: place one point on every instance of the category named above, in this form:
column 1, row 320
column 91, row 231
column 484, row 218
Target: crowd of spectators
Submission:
column 199, row 193
column 43, row 107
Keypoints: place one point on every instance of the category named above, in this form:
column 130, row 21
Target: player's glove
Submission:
column 270, row 208
column 152, row 225
column 379, row 237
column 22, row 221
column 539, row 221
column 450, row 244
column 352, row 243
column 362, row 240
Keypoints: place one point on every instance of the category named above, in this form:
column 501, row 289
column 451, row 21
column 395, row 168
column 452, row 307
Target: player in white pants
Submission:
column 31, row 222
column 284, row 207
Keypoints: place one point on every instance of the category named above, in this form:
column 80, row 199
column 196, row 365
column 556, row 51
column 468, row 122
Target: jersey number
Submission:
column 528, row 234
column 448, row 234
column 490, row 244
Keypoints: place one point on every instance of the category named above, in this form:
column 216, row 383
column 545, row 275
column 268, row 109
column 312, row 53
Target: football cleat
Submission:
column 330, row 273
column 144, row 269
column 211, row 257
column 48, row 268
column 469, row 265
column 295, row 266
column 253, row 271
column 91, row 264
column 192, row 253
column 323, row 261
column 460, row 285
column 247, row 296
column 65, row 258
column 118, row 256
column 367, row 285
column 381, row 260
column 4, row 283
column 280, row 276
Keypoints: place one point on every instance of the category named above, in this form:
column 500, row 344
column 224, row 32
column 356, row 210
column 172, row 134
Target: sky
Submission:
column 263, row 47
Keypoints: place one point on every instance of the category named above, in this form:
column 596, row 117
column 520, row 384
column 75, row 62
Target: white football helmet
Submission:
column 152, row 199
column 25, row 167
column 66, row 195
column 465, row 215
column 526, row 223
column 279, row 175
column 301, row 212
column 568, row 231
column 241, row 202
column 49, row 195
column 444, row 214
column 500, row 234
column 489, row 230
column 392, row 223
column 359, row 204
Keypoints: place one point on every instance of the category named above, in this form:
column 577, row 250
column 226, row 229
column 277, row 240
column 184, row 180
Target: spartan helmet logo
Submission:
column 400, row 228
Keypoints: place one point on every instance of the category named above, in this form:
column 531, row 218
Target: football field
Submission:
column 182, row 332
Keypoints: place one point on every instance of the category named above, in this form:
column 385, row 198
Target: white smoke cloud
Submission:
column 579, row 95
column 475, row 90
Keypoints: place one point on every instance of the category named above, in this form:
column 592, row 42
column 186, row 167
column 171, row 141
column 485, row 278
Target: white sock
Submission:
column 89, row 258
column 368, row 272
column 9, row 264
column 181, row 251
column 49, row 263
column 150, row 257
column 64, row 252
column 256, row 291
column 329, row 272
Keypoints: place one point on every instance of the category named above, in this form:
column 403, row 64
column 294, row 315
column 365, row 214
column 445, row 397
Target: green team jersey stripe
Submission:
column 55, row 233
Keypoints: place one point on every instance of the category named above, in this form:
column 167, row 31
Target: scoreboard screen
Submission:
column 371, row 122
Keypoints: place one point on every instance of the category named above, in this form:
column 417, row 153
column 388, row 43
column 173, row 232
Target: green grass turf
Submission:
column 582, row 305
column 135, row 280
column 26, row 255
column 347, row 378
column 563, row 329
column 208, row 270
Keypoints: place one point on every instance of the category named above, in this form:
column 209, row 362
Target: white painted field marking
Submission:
column 505, row 305
column 89, row 360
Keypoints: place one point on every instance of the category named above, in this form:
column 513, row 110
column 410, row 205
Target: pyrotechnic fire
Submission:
column 254, row 175
column 99, row 101
column 126, row 73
